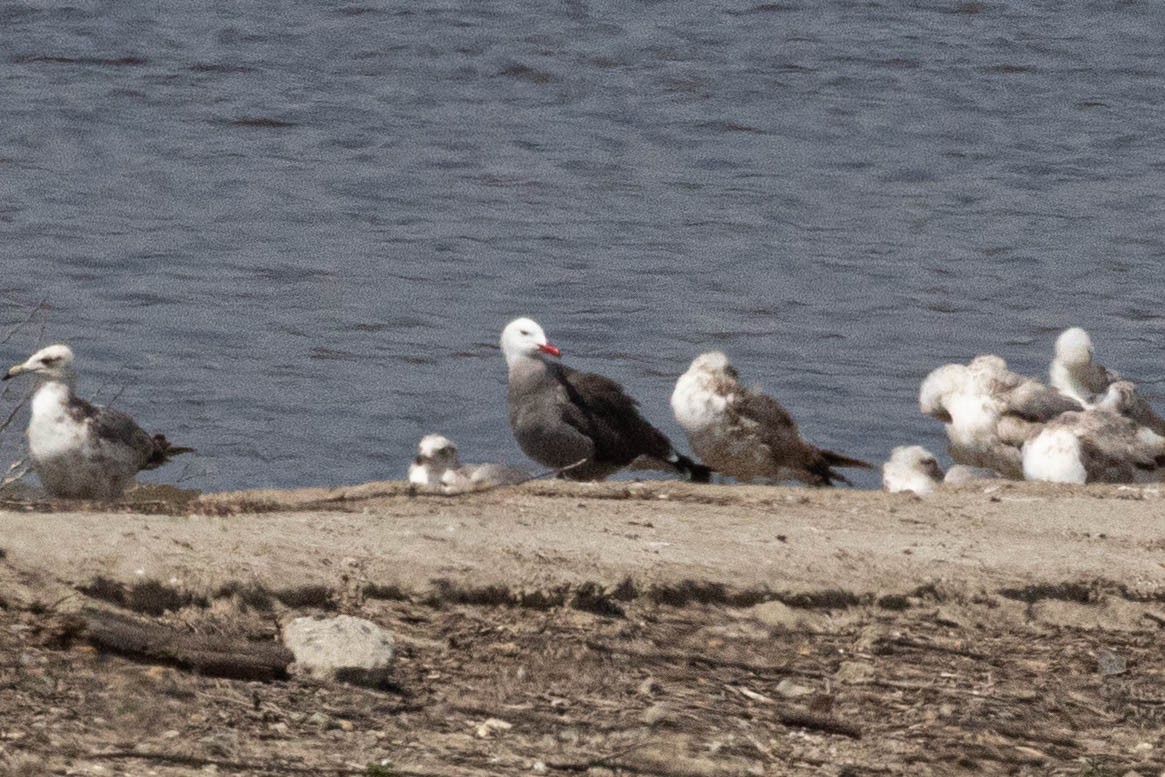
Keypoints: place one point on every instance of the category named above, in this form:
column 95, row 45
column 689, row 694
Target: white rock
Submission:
column 343, row 648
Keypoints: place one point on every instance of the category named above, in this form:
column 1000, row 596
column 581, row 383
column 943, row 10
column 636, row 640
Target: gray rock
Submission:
column 343, row 649
column 790, row 689
column 781, row 615
column 854, row 673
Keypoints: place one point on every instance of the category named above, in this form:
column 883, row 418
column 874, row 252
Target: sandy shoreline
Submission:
column 620, row 628
column 750, row 541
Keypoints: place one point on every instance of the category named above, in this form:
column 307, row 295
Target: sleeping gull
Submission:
column 990, row 411
column 911, row 468
column 744, row 433
column 80, row 450
column 1122, row 397
column 1094, row 446
column 581, row 424
column 437, row 468
column 1073, row 372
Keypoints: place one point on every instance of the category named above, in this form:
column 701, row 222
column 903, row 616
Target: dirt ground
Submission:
column 621, row 628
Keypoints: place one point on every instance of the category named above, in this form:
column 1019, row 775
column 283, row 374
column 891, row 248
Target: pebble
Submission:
column 854, row 672
column 657, row 713
column 493, row 726
column 791, row 690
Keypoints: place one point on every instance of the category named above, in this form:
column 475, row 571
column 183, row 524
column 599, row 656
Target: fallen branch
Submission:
column 209, row 655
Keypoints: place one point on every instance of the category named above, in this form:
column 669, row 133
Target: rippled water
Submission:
column 289, row 234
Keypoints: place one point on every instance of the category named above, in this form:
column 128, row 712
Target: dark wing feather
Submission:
column 768, row 413
column 118, row 428
column 601, row 410
column 778, row 430
column 1033, row 401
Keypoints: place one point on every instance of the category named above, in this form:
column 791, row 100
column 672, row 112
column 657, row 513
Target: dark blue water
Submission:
column 289, row 234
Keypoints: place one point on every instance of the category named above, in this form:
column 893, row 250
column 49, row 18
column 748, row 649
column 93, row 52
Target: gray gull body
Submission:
column 80, row 450
column 582, row 424
column 1094, row 446
column 744, row 433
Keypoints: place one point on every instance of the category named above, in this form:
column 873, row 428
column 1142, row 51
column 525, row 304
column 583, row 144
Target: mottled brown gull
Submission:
column 744, row 433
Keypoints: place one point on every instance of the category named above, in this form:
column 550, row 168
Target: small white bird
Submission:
column 80, row 450
column 1094, row 446
column 437, row 468
column 744, row 433
column 911, row 468
column 1073, row 371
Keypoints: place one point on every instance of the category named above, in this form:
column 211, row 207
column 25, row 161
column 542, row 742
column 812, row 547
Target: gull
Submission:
column 990, row 411
column 1094, row 446
column 1121, row 397
column 437, row 468
column 80, row 450
column 1073, row 371
column 582, row 424
column 744, row 433
column 911, row 468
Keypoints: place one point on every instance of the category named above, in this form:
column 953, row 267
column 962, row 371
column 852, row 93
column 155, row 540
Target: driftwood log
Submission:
column 145, row 640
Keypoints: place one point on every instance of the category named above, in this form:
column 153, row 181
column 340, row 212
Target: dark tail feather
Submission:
column 838, row 460
column 829, row 460
column 163, row 452
column 691, row 470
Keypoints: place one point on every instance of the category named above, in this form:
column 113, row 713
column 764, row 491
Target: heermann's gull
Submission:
column 746, row 434
column 80, row 450
column 1094, row 446
column 1073, row 371
column 911, row 468
column 579, row 423
column 437, row 468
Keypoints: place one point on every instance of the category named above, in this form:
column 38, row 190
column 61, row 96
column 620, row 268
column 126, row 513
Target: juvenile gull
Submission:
column 1122, row 397
column 1094, row 446
column 990, row 411
column 579, row 423
column 911, row 468
column 80, row 450
column 744, row 433
column 1073, row 371
column 437, row 468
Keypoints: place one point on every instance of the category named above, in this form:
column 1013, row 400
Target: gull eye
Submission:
column 49, row 361
column 524, row 332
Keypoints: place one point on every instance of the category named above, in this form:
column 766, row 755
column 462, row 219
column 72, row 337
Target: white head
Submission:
column 938, row 387
column 919, row 459
column 911, row 468
column 54, row 363
column 438, row 452
column 1074, row 347
column 1054, row 455
column 713, row 363
column 524, row 339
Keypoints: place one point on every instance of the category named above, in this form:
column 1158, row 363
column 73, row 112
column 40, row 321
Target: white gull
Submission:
column 80, row 450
